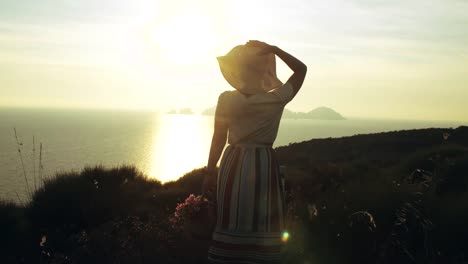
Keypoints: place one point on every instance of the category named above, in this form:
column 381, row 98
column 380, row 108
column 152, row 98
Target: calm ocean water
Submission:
column 162, row 146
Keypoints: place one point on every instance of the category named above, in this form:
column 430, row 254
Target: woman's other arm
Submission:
column 217, row 145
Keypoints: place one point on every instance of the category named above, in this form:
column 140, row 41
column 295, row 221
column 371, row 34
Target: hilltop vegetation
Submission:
column 396, row 197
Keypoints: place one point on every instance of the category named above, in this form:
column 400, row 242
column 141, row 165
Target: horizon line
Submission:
column 159, row 111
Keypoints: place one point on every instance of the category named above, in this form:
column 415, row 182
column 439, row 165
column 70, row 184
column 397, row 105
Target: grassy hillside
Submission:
column 397, row 197
column 412, row 183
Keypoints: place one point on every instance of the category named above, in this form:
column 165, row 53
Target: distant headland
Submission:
column 320, row 113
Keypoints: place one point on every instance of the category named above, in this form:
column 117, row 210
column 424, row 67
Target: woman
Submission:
column 249, row 197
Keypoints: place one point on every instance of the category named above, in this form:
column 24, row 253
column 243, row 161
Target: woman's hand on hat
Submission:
column 265, row 48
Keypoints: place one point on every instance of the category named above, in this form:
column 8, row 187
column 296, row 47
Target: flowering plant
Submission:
column 193, row 213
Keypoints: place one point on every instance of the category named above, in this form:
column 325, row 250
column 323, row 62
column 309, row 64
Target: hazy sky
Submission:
column 367, row 58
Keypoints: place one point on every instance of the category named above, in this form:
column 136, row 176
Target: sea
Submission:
column 38, row 143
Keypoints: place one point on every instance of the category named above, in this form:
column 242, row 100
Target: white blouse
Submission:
column 253, row 119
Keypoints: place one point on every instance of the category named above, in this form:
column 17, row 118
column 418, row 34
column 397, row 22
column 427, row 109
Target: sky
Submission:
column 366, row 58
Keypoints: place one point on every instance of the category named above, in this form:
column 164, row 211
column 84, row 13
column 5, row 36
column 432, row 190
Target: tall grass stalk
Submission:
column 19, row 199
column 19, row 144
column 40, row 163
column 34, row 162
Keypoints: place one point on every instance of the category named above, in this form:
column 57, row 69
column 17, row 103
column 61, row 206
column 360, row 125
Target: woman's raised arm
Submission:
column 297, row 66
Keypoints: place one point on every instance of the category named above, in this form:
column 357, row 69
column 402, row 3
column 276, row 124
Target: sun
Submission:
column 185, row 38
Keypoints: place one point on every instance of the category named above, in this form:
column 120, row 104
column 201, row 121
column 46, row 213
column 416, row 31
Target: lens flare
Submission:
column 285, row 237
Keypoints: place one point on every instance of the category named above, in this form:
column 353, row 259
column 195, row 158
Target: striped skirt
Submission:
column 250, row 212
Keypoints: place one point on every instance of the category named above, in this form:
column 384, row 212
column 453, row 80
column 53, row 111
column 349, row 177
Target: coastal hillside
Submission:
column 394, row 197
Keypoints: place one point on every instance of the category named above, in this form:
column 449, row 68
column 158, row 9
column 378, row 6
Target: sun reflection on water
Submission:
column 181, row 143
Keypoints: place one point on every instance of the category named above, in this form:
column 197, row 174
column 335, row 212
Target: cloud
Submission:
column 62, row 11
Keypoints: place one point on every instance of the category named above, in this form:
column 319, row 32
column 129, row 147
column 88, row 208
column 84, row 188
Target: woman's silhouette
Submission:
column 250, row 207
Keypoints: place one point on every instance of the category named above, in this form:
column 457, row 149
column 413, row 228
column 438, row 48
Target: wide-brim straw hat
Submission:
column 249, row 72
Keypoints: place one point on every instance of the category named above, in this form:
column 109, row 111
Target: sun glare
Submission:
column 185, row 38
column 181, row 144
